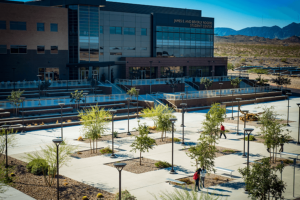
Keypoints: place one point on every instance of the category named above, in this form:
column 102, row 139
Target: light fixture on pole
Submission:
column 57, row 143
column 85, row 94
column 128, row 103
column 182, row 95
column 232, row 91
column 238, row 100
column 23, row 99
column 120, row 167
column 112, row 133
column 137, row 104
column 248, row 131
column 61, row 121
column 220, row 90
column 6, row 127
column 183, row 106
column 288, row 110
column 245, row 113
column 173, row 121
column 298, row 104
column 39, row 80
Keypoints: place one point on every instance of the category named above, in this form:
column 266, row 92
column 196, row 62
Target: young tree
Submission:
column 206, row 82
column 77, row 97
column 235, row 82
column 203, row 153
column 132, row 92
column 261, row 179
column 164, row 124
column 94, row 123
column 230, row 66
column 142, row 142
column 261, row 81
column 15, row 99
column 280, row 80
column 11, row 139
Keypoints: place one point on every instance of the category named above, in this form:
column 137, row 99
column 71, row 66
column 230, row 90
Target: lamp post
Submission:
column 245, row 113
column 232, row 91
column 248, row 131
column 112, row 134
column 119, row 167
column 183, row 105
column 298, row 104
column 6, row 127
column 173, row 121
column 14, row 78
column 39, row 79
column 23, row 99
column 57, row 143
column 85, row 94
column 255, row 90
column 137, row 105
column 128, row 102
column 61, row 122
column 288, row 110
column 238, row 100
column 220, row 90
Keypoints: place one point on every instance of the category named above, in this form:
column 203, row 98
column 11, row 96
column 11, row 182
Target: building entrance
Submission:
column 84, row 74
column 48, row 75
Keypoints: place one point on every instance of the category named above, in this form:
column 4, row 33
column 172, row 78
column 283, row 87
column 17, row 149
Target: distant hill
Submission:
column 256, row 40
column 266, row 32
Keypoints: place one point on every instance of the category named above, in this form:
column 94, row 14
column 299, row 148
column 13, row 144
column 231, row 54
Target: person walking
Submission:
column 196, row 177
column 203, row 173
column 223, row 131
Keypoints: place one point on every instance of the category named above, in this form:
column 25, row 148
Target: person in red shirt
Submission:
column 223, row 131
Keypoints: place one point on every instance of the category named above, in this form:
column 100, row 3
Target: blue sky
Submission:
column 237, row 14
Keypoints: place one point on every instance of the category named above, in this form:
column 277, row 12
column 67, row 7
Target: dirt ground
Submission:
column 34, row 185
column 221, row 151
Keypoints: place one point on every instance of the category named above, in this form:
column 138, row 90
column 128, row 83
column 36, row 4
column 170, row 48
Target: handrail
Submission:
column 194, row 84
column 155, row 99
column 145, row 101
column 107, row 81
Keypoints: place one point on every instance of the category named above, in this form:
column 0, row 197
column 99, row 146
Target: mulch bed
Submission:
column 133, row 165
column 165, row 140
column 35, row 187
column 286, row 162
column 210, row 180
column 88, row 153
column 222, row 151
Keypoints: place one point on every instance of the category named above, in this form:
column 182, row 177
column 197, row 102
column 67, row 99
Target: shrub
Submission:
column 251, row 138
column 283, row 59
column 12, row 174
column 115, row 133
column 152, row 127
column 162, row 164
column 105, row 150
column 65, row 183
column 80, row 138
column 260, row 61
column 216, row 178
column 85, row 198
column 99, row 195
column 125, row 196
column 243, row 60
column 228, row 151
column 37, row 166
column 177, row 140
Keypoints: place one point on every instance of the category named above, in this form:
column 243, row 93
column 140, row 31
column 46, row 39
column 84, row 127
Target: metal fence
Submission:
column 54, row 101
column 35, row 84
column 216, row 93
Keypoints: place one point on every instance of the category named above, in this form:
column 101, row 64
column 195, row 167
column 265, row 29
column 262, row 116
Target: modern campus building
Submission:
column 81, row 39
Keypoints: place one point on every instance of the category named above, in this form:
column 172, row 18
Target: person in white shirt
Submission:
column 202, row 174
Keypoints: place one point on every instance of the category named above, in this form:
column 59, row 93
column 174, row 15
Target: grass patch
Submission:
column 162, row 164
column 228, row 151
column 105, row 150
column 251, row 138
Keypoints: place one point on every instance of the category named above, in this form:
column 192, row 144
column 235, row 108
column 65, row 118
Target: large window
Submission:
column 115, row 48
column 184, row 42
column 18, row 26
column 53, row 27
column 54, row 50
column 200, row 71
column 3, row 49
column 2, row 24
column 129, row 48
column 129, row 31
column 115, row 53
column 101, row 29
column 172, row 71
column 143, row 31
column 18, row 49
column 40, row 27
column 115, row 30
column 40, row 49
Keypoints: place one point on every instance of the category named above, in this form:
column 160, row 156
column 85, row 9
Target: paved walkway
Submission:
column 93, row 171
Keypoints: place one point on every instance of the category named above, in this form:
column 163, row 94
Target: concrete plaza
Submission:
column 92, row 170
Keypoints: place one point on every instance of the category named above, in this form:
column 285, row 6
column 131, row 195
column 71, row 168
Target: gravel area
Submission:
column 133, row 165
column 165, row 140
column 286, row 162
column 35, row 187
column 210, row 180
column 88, row 153
column 221, row 151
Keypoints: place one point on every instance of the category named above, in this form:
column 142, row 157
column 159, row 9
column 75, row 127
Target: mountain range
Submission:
column 266, row 32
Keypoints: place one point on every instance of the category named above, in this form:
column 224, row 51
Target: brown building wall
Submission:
column 145, row 89
column 216, row 85
column 33, row 15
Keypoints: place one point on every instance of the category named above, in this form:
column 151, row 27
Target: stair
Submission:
column 190, row 88
column 115, row 89
column 196, row 87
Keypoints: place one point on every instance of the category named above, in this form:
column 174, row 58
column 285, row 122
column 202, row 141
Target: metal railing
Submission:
column 156, row 101
column 215, row 93
column 120, row 90
column 159, row 81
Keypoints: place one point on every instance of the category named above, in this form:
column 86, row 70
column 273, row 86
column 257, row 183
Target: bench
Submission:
column 225, row 170
column 176, row 181
column 290, row 154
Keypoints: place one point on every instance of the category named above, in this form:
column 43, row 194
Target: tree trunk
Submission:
column 140, row 158
column 273, row 154
column 162, row 136
column 276, row 154
column 91, row 145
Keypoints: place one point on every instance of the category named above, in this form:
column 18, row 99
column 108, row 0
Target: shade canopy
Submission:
column 238, row 99
column 248, row 130
column 172, row 120
column 298, row 104
column 288, row 93
column 119, row 166
column 57, row 141
column 183, row 104
column 113, row 111
column 246, row 111
column 61, row 104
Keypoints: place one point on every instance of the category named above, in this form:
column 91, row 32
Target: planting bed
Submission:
column 221, row 151
column 35, row 187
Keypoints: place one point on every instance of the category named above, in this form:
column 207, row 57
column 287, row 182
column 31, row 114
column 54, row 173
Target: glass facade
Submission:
column 200, row 71
column 184, row 42
column 88, row 34
column 73, row 36
column 142, row 72
column 172, row 71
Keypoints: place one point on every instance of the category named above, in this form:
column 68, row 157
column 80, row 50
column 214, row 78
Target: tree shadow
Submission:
column 233, row 185
column 179, row 169
column 250, row 155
